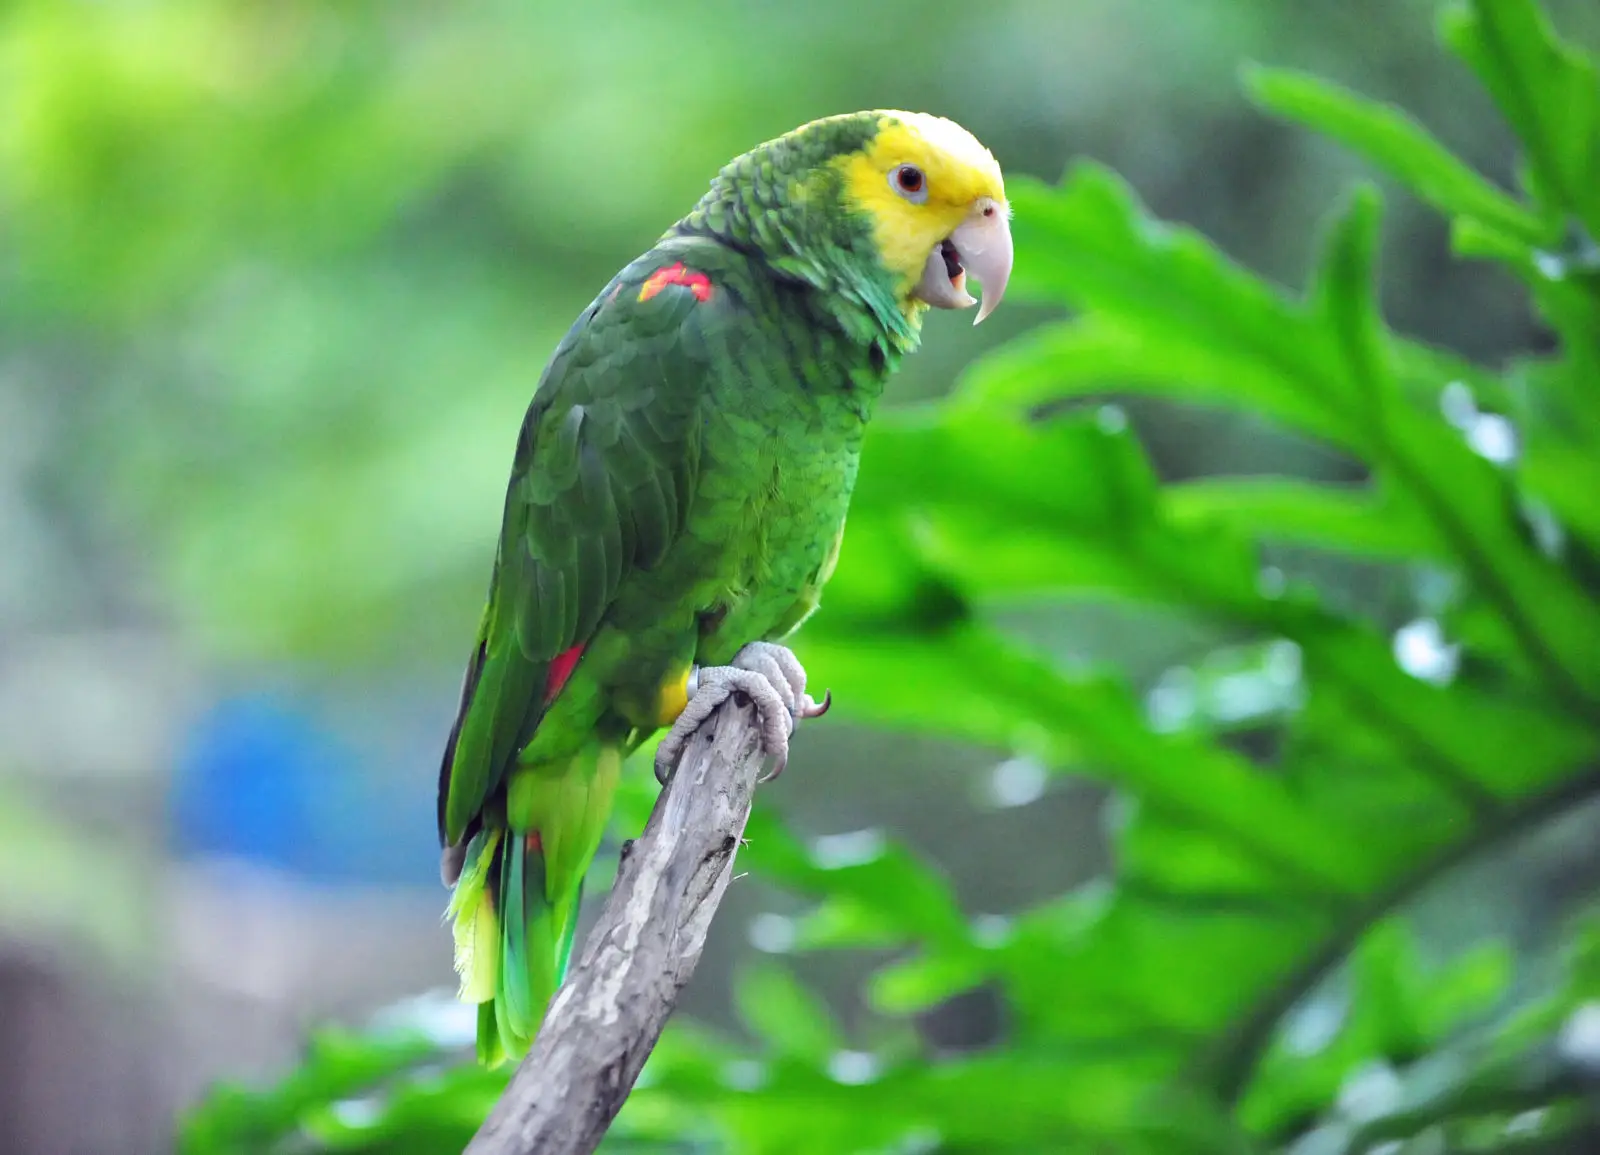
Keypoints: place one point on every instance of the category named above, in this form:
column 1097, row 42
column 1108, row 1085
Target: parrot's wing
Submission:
column 604, row 472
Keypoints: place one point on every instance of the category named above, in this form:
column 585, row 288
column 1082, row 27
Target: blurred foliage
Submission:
column 1248, row 978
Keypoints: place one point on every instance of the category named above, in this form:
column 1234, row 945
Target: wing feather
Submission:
column 605, row 470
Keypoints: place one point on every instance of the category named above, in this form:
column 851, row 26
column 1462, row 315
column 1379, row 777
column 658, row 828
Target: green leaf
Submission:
column 1344, row 294
column 877, row 892
column 1474, row 509
column 1477, row 748
column 791, row 1021
column 1546, row 89
column 1566, row 289
column 1092, row 356
column 986, row 506
column 1355, row 519
column 1388, row 1008
column 1396, row 143
column 1211, row 788
column 1170, row 292
column 1556, row 626
column 336, row 1066
column 1097, row 356
column 1567, row 477
column 917, row 984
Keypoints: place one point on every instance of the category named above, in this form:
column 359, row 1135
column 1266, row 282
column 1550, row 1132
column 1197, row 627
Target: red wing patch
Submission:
column 561, row 667
column 676, row 274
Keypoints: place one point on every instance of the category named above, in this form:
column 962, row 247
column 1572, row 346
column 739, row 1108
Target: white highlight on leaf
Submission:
column 1493, row 438
column 745, row 1075
column 1328, row 1139
column 1458, row 404
column 1271, row 582
column 919, row 1141
column 855, row 848
column 1283, row 667
column 1112, row 419
column 1171, row 703
column 1310, row 1029
column 853, row 1068
column 1547, row 532
column 1017, row 782
column 358, row 1112
column 1421, row 651
column 1579, row 1042
column 772, row 933
column 1235, row 697
column 1550, row 266
column 1436, row 590
column 1371, row 1091
column 991, row 930
column 1527, row 1124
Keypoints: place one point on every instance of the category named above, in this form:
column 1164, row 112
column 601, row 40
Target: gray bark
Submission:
column 604, row 1021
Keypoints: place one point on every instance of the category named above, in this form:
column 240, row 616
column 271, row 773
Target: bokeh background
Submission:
column 276, row 282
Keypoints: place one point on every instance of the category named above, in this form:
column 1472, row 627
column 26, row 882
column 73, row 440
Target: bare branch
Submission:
column 604, row 1021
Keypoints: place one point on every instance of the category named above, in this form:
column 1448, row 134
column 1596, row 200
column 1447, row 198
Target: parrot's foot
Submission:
column 772, row 678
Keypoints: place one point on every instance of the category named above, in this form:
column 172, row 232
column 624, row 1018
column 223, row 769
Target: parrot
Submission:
column 677, row 500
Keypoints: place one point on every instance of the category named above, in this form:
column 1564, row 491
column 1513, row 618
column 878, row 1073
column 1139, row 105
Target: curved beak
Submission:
column 980, row 245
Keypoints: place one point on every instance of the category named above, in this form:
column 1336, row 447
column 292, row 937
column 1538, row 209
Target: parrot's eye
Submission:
column 909, row 182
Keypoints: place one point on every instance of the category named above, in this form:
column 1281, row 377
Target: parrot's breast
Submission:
column 779, row 489
column 782, row 404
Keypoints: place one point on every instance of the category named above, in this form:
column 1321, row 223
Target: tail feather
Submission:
column 531, row 939
column 571, row 935
column 516, row 901
column 477, row 926
column 511, row 992
column 490, row 1051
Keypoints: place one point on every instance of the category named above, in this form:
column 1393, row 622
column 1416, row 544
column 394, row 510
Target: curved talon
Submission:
column 817, row 709
column 779, row 765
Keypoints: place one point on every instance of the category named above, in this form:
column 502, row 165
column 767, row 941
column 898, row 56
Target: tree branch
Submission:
column 604, row 1021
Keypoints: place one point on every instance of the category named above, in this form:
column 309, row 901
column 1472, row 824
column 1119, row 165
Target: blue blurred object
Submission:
column 262, row 778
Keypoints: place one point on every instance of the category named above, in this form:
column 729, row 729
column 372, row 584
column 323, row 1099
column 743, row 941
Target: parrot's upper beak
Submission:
column 980, row 245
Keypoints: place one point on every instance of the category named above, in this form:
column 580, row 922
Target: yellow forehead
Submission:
column 959, row 168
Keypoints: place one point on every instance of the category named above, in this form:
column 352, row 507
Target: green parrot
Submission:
column 676, row 503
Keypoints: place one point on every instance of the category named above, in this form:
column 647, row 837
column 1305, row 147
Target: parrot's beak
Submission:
column 980, row 245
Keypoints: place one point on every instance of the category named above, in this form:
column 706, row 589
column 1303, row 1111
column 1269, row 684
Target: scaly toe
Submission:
column 714, row 686
column 667, row 758
column 779, row 666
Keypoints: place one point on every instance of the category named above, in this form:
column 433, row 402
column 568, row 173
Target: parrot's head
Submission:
column 897, row 207
column 937, row 206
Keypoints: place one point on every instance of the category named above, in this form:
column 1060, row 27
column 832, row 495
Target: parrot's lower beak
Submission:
column 980, row 245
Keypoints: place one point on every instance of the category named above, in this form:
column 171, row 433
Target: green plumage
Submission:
column 678, row 489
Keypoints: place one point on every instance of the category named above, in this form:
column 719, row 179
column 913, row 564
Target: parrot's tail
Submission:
column 515, row 904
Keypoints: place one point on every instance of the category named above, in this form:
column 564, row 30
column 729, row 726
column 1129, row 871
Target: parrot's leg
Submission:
column 773, row 679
